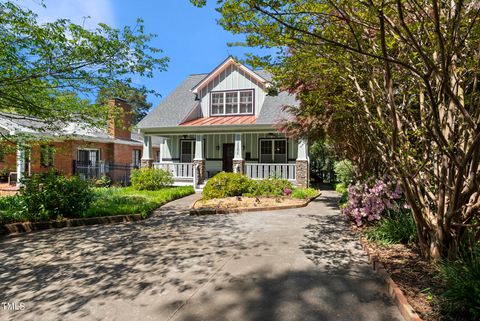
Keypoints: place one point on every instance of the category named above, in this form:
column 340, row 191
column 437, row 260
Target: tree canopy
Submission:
column 50, row 70
column 393, row 84
column 136, row 97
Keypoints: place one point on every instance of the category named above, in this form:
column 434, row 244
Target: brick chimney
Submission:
column 119, row 118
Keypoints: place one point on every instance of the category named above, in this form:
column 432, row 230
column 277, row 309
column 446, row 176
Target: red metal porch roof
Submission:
column 221, row 120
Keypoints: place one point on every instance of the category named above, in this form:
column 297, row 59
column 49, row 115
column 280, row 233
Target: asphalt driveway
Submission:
column 301, row 264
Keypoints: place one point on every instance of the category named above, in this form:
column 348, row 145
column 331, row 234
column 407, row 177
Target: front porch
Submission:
column 194, row 158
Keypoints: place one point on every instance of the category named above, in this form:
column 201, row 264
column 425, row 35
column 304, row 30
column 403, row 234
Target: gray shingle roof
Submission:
column 34, row 126
column 175, row 107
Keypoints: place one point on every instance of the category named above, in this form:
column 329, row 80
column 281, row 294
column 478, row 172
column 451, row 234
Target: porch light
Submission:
column 217, row 147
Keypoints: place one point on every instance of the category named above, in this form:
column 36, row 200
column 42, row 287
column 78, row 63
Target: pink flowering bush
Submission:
column 370, row 200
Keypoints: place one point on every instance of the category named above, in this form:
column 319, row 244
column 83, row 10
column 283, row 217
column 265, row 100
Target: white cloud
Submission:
column 75, row 10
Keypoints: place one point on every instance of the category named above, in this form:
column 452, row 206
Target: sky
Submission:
column 189, row 36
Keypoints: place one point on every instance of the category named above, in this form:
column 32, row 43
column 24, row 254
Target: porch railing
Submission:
column 262, row 171
column 178, row 170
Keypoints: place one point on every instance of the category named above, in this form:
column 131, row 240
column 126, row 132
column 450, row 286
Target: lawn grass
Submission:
column 108, row 201
column 126, row 200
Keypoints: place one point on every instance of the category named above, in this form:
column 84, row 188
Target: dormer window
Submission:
column 236, row 102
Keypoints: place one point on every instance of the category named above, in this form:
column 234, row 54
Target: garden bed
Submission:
column 238, row 204
column 413, row 274
column 110, row 205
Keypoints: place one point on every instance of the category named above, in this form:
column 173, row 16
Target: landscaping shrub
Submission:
column 461, row 298
column 103, row 181
column 370, row 200
column 269, row 187
column 345, row 172
column 304, row 193
column 50, row 196
column 226, row 184
column 150, row 179
column 393, row 229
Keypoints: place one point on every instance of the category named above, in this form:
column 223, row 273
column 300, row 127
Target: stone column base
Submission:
column 238, row 165
column 146, row 163
column 200, row 170
column 302, row 173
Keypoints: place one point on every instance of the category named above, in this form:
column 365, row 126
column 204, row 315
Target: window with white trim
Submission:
column 273, row 151
column 232, row 102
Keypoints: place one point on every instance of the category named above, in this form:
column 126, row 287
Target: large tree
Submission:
column 407, row 71
column 136, row 97
column 50, row 70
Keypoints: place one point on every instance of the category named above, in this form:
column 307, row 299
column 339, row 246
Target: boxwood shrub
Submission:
column 226, row 184
column 150, row 179
column 269, row 187
column 50, row 196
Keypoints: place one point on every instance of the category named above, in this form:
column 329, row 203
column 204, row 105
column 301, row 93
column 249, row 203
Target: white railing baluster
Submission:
column 265, row 171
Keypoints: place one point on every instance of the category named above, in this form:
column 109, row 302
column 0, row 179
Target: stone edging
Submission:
column 209, row 211
column 393, row 290
column 14, row 229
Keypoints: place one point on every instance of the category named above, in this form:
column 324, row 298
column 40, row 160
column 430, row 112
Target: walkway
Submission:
column 302, row 264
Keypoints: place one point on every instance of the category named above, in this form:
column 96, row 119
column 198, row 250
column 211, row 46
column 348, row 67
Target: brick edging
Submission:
column 13, row 229
column 209, row 211
column 394, row 290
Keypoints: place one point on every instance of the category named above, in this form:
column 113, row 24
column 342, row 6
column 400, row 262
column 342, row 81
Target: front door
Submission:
column 228, row 153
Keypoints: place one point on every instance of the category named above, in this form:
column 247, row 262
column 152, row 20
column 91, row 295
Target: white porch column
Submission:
column 302, row 153
column 238, row 161
column 20, row 162
column 160, row 152
column 147, row 158
column 199, row 148
column 199, row 159
column 302, row 171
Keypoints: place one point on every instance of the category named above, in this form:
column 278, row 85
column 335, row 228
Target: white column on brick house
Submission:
column 238, row 161
column 147, row 159
column 238, row 147
column 302, row 152
column 20, row 162
column 302, row 171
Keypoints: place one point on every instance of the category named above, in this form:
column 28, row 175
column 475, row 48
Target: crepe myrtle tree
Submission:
column 407, row 71
column 49, row 70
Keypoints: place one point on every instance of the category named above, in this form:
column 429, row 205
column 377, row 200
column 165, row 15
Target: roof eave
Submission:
column 227, row 62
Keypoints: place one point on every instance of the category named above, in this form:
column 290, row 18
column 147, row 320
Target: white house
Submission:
column 224, row 121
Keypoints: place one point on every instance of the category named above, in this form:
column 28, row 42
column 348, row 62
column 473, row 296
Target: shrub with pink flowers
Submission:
column 370, row 200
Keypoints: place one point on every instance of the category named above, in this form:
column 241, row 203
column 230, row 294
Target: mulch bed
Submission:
column 241, row 204
column 414, row 275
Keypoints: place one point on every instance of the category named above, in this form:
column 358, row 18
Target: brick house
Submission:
column 224, row 121
column 76, row 149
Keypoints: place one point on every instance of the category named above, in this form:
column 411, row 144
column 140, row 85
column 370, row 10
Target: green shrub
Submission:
column 50, row 196
column 341, row 188
column 304, row 193
column 345, row 172
column 103, row 181
column 12, row 210
column 461, row 298
column 150, row 179
column 393, row 229
column 269, row 187
column 226, row 184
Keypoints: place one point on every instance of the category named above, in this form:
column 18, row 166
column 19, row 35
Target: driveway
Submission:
column 300, row 264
